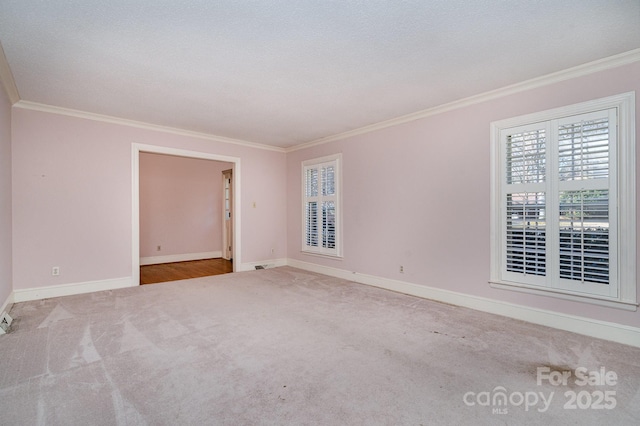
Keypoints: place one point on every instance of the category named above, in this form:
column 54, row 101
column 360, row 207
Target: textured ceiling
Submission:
column 288, row 72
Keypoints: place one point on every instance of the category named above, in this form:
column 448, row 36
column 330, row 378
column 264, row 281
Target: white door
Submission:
column 227, row 225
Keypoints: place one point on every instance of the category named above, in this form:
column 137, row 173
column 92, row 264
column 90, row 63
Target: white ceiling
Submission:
column 287, row 72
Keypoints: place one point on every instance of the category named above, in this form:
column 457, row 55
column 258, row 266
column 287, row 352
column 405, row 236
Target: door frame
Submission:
column 136, row 149
column 227, row 240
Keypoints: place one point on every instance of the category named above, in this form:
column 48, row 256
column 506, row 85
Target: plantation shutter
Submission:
column 320, row 212
column 564, row 202
column 558, row 230
column 586, row 196
column 525, row 233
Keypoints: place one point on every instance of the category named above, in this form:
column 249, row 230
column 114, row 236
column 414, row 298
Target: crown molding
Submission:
column 615, row 61
column 35, row 106
column 6, row 78
column 610, row 62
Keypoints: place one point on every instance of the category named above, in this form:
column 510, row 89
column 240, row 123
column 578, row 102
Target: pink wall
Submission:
column 180, row 205
column 407, row 192
column 418, row 195
column 72, row 197
column 5, row 198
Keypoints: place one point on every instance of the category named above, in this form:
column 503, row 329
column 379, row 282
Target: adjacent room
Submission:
column 392, row 213
column 185, row 217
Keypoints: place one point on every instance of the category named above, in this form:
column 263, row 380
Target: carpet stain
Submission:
column 445, row 334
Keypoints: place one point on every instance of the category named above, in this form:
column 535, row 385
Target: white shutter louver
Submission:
column 584, row 236
column 583, row 150
column 526, row 233
column 526, row 157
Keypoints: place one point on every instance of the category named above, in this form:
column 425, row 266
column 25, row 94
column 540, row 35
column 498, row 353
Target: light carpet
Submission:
column 284, row 346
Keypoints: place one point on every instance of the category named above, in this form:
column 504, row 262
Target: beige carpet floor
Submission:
column 288, row 347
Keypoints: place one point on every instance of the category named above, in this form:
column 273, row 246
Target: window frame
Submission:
column 624, row 217
column 336, row 161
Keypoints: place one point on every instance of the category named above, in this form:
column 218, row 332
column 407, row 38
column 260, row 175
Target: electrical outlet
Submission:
column 273, row 250
column 55, row 271
column 401, row 269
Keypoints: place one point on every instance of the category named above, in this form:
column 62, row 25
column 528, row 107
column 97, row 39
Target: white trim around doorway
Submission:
column 136, row 149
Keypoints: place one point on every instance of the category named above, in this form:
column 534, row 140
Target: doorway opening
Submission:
column 164, row 265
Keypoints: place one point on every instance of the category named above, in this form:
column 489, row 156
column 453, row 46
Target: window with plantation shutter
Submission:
column 564, row 202
column 321, row 199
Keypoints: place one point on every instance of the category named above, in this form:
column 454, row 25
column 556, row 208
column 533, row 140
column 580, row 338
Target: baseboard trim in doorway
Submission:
column 589, row 327
column 37, row 293
column 155, row 260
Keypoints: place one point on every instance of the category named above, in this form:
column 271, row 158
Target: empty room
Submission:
column 417, row 212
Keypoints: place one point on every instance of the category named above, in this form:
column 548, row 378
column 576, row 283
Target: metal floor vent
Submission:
column 5, row 323
column 260, row 267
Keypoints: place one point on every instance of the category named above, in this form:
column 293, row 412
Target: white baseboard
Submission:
column 270, row 263
column 590, row 327
column 154, row 260
column 37, row 293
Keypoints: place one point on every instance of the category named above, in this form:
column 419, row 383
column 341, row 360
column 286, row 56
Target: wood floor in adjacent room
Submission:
column 151, row 274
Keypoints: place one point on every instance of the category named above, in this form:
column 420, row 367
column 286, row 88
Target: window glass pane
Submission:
column 311, row 183
column 584, row 150
column 312, row 224
column 526, row 233
column 584, row 235
column 526, row 157
column 328, row 224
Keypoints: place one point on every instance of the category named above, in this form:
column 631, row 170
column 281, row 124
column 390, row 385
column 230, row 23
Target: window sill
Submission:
column 326, row 256
column 558, row 294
